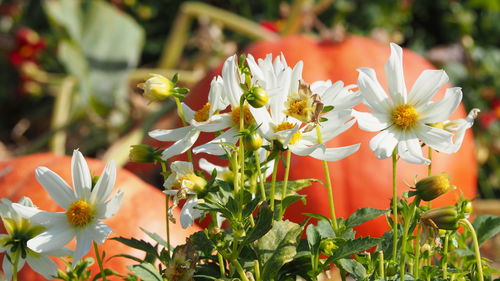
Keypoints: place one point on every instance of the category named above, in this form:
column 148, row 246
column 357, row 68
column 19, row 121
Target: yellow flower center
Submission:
column 441, row 183
column 202, row 114
column 193, row 182
column 80, row 213
column 300, row 107
column 247, row 116
column 287, row 126
column 404, row 116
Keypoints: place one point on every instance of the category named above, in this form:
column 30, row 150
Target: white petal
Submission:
column 187, row 112
column 40, row 217
column 373, row 94
column 43, row 265
column 285, row 136
column 296, row 77
column 264, row 121
column 189, row 213
column 215, row 98
column 82, row 181
column 438, row 139
column 111, row 207
column 336, row 153
column 170, row 135
column 409, row 150
column 57, row 188
column 105, row 184
column 214, row 147
column 209, row 167
column 98, row 232
column 231, row 78
column 181, row 145
column 426, row 86
column 371, row 122
column 439, row 111
column 395, row 75
column 255, row 69
column 83, row 241
column 215, row 123
column 59, row 252
column 51, row 239
column 383, row 143
column 303, row 150
column 7, row 268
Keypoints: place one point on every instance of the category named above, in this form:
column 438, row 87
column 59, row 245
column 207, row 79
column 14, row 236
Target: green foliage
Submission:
column 146, row 271
column 486, row 226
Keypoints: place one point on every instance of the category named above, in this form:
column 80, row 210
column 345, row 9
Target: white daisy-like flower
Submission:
column 403, row 119
column 19, row 231
column 181, row 184
column 205, row 119
column 458, row 128
column 85, row 206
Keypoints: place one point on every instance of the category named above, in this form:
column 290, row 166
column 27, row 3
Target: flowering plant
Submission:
column 261, row 112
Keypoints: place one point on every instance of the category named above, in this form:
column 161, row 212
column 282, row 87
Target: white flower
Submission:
column 181, row 184
column 85, row 206
column 405, row 119
column 458, row 128
column 19, row 230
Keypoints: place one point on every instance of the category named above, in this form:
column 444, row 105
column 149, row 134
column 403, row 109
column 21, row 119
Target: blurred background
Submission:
column 69, row 69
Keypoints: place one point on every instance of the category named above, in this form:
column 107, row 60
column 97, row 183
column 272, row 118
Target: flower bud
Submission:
column 257, row 97
column 432, row 187
column 157, row 88
column 441, row 218
column 327, row 247
column 252, row 141
column 195, row 183
column 143, row 153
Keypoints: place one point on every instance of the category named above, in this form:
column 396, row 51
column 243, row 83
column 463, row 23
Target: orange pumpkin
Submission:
column 142, row 206
column 360, row 180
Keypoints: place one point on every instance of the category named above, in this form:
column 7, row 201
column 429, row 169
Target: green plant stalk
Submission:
column 239, row 269
column 381, row 264
column 167, row 202
column 236, row 180
column 273, row 183
column 285, row 180
column 326, row 171
column 479, row 265
column 256, row 269
column 15, row 265
column 444, row 260
column 242, row 147
column 60, row 115
column 429, row 168
column 222, row 268
column 259, row 176
column 180, row 112
column 394, row 206
column 416, row 262
column 99, row 261
column 404, row 243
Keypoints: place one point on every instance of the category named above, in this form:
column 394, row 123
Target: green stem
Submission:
column 242, row 147
column 99, row 261
column 180, row 112
column 329, row 189
column 407, row 222
column 273, row 183
column 256, row 269
column 394, row 206
column 381, row 265
column 479, row 265
column 15, row 265
column 222, row 267
column 444, row 260
column 236, row 180
column 417, row 254
column 259, row 176
column 167, row 203
column 61, row 115
column 285, row 180
column 239, row 269
column 429, row 168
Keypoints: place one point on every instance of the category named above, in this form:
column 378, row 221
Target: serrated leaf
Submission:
column 363, row 215
column 201, row 242
column 146, row 271
column 292, row 187
column 486, row 227
column 354, row 246
column 325, row 229
column 357, row 270
column 263, row 224
column 137, row 244
column 127, row 257
column 156, row 237
column 278, row 247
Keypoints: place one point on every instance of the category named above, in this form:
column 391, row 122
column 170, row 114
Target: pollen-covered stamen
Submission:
column 202, row 114
column 80, row 213
column 404, row 116
column 247, row 116
column 287, row 126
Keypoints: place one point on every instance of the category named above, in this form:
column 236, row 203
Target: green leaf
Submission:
column 156, row 237
column 317, row 216
column 66, row 14
column 146, row 271
column 363, row 215
column 486, row 227
column 357, row 270
column 289, row 200
column 325, row 229
column 354, row 246
column 201, row 242
column 292, row 187
column 137, row 244
column 327, row 108
column 262, row 225
column 278, row 247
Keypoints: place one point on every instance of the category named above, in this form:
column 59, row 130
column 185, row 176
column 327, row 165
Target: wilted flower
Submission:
column 85, row 206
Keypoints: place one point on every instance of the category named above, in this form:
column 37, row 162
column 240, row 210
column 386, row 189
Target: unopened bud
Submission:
column 157, row 88
column 257, row 97
column 143, row 153
column 252, row 141
column 441, row 218
column 432, row 187
column 327, row 247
